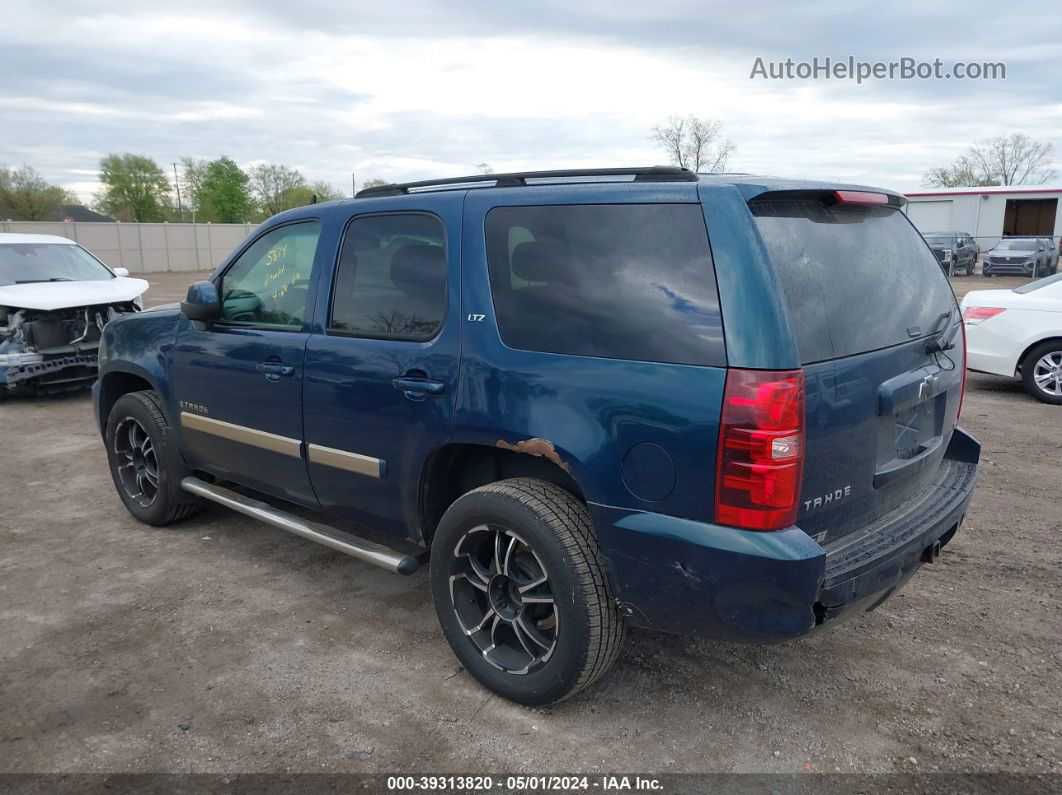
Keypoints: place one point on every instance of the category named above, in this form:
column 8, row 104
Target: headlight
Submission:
column 19, row 359
column 138, row 302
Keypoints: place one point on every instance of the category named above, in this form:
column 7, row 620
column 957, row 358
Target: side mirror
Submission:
column 120, row 271
column 201, row 303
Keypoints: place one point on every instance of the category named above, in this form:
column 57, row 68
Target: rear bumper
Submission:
column 693, row 578
column 991, row 363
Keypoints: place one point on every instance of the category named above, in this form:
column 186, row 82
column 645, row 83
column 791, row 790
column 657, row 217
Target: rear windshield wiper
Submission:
column 934, row 345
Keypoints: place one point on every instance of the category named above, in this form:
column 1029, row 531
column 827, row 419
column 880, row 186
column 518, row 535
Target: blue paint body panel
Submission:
column 639, row 439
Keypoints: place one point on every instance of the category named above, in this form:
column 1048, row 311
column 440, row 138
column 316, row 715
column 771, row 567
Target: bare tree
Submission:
column 694, row 143
column 962, row 172
column 275, row 187
column 1007, row 160
column 193, row 170
column 484, row 168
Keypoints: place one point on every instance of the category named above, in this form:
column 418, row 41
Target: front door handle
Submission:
column 418, row 387
column 274, row 370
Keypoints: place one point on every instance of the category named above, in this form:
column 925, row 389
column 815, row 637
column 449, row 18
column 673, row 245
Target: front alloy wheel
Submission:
column 138, row 467
column 146, row 469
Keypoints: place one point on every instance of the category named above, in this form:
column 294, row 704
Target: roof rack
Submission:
column 519, row 179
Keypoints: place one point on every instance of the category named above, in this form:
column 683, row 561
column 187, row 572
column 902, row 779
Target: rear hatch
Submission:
column 871, row 309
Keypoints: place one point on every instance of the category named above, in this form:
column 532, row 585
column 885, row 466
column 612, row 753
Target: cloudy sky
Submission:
column 408, row 90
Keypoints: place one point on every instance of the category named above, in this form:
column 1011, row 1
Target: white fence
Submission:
column 145, row 248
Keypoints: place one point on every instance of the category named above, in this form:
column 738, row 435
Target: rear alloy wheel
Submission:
column 1041, row 372
column 519, row 587
column 501, row 595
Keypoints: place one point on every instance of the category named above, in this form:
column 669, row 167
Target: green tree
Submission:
column 222, row 195
column 275, row 187
column 26, row 196
column 375, row 182
column 135, row 188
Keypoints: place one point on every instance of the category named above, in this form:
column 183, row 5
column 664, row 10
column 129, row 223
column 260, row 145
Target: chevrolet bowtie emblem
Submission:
column 928, row 387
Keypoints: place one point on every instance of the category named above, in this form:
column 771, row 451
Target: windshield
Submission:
column 22, row 263
column 940, row 241
column 1016, row 245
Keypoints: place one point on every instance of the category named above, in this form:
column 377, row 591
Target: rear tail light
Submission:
column 962, row 391
column 760, row 461
column 972, row 315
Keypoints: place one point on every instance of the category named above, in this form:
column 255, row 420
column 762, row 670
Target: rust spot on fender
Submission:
column 543, row 448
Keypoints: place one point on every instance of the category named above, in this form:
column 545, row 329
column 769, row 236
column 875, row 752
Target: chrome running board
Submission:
column 338, row 540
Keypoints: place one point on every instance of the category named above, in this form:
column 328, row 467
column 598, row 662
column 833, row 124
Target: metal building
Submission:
column 988, row 213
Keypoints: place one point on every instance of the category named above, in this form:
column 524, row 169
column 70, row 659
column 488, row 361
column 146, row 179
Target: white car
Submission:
column 1018, row 333
column 55, row 298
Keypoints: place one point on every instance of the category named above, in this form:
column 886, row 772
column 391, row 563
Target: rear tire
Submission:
column 1041, row 372
column 519, row 587
column 145, row 466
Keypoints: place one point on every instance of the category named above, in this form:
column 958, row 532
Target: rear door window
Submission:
column 857, row 278
column 620, row 281
column 391, row 279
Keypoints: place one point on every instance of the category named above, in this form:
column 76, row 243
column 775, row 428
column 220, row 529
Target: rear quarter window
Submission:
column 857, row 278
column 622, row 281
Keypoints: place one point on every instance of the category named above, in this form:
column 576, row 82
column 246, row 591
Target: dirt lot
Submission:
column 224, row 645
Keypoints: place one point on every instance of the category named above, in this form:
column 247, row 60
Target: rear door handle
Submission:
column 273, row 370
column 419, row 386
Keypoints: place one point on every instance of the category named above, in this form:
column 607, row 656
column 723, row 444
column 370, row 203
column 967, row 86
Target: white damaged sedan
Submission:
column 55, row 299
column 1018, row 333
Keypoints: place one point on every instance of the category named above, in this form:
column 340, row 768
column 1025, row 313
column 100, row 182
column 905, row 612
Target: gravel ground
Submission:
column 224, row 645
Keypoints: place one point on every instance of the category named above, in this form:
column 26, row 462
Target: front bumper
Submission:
column 72, row 371
column 693, row 578
column 1007, row 268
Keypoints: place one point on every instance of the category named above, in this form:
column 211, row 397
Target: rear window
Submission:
column 1039, row 284
column 621, row 281
column 857, row 278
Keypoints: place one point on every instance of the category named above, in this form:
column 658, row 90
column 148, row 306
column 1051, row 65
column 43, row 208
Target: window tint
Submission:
column 391, row 280
column 624, row 281
column 269, row 283
column 857, row 278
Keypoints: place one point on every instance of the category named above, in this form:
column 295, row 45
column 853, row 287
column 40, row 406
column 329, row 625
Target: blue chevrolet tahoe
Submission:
column 720, row 405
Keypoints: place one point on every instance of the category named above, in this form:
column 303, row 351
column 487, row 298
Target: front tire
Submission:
column 145, row 467
column 1041, row 372
column 519, row 587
